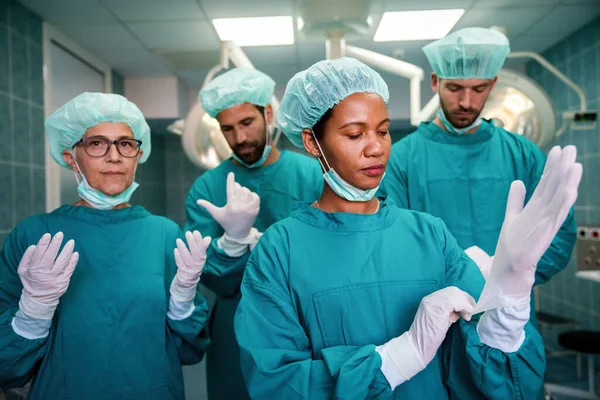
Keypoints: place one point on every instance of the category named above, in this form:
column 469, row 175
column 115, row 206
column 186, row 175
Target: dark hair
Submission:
column 260, row 109
column 319, row 127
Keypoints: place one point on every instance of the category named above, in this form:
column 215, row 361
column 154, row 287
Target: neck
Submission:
column 330, row 202
column 439, row 123
column 83, row 203
column 273, row 156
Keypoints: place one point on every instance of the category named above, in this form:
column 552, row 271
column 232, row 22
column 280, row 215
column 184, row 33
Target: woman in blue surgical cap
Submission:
column 113, row 312
column 351, row 297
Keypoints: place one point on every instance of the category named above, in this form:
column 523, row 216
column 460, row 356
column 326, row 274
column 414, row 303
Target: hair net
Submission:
column 468, row 54
column 69, row 123
column 240, row 85
column 310, row 93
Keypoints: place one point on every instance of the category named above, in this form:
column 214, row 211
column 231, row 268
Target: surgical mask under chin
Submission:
column 454, row 130
column 340, row 186
column 265, row 154
column 96, row 198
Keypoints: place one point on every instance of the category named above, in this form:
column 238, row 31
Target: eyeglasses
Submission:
column 98, row 146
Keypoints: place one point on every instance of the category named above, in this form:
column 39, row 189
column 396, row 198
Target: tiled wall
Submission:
column 22, row 172
column 180, row 174
column 151, row 177
column 578, row 57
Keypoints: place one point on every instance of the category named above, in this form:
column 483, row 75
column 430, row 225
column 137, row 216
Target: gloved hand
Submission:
column 190, row 264
column 240, row 212
column 405, row 356
column 527, row 232
column 45, row 276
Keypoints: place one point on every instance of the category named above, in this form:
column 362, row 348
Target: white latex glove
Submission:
column 240, row 212
column 405, row 356
column 190, row 263
column 46, row 275
column 527, row 232
column 481, row 258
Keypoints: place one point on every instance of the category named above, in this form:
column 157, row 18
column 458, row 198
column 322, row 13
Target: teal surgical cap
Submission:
column 238, row 86
column 311, row 93
column 70, row 122
column 470, row 53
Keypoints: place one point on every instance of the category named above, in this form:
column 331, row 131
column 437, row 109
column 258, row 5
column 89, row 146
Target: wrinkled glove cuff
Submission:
column 237, row 247
column 400, row 360
column 180, row 293
column 30, row 328
column 35, row 309
column 179, row 310
column 504, row 328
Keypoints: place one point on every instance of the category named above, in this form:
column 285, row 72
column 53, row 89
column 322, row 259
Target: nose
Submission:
column 239, row 135
column 465, row 100
column 375, row 145
column 113, row 154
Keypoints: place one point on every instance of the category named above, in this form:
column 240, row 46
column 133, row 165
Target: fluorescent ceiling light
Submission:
column 259, row 31
column 416, row 25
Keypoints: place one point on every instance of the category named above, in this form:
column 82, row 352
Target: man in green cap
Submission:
column 459, row 167
column 238, row 200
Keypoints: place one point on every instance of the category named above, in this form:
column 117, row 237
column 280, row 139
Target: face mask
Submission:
column 97, row 199
column 340, row 186
column 264, row 156
column 457, row 131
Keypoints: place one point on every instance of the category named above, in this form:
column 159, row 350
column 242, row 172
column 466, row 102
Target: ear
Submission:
column 493, row 83
column 310, row 144
column 435, row 82
column 68, row 157
column 269, row 114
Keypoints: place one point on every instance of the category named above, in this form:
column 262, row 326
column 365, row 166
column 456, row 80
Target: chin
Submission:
column 113, row 190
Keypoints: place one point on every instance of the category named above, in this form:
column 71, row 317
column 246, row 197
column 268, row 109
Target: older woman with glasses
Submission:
column 129, row 314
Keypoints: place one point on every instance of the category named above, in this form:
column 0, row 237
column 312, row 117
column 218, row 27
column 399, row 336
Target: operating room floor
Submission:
column 563, row 371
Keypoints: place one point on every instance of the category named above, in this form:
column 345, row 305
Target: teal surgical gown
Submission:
column 464, row 180
column 321, row 291
column 110, row 337
column 294, row 177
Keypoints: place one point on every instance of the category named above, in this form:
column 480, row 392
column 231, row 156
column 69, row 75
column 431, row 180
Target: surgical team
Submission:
column 361, row 270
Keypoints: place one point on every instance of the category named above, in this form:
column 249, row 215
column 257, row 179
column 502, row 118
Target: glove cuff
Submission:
column 35, row 309
column 237, row 247
column 400, row 360
column 504, row 328
column 181, row 294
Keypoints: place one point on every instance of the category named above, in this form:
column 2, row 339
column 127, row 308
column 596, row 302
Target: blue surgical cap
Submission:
column 470, row 53
column 238, row 86
column 311, row 93
column 69, row 123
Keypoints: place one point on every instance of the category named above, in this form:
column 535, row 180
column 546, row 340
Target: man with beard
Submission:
column 238, row 200
column 460, row 167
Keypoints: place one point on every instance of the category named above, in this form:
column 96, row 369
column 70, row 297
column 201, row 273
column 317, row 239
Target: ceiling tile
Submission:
column 514, row 3
column 256, row 8
column 271, row 55
column 281, row 74
column 310, row 53
column 155, row 10
column 111, row 37
column 176, row 35
column 134, row 63
column 535, row 43
column 79, row 12
column 564, row 20
column 413, row 5
column 515, row 21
